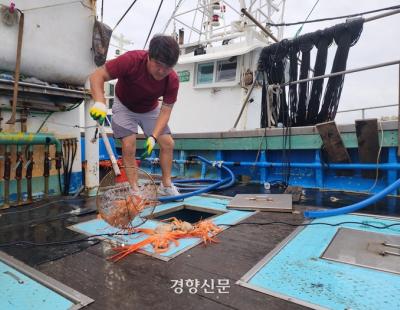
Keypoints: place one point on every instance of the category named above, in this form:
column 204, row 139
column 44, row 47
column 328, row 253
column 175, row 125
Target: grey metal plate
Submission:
column 367, row 249
column 265, row 202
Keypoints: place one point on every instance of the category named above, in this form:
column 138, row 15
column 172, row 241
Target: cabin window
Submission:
column 110, row 103
column 112, row 90
column 205, row 73
column 217, row 73
column 226, row 70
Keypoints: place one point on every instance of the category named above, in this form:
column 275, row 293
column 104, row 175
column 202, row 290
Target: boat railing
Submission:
column 362, row 110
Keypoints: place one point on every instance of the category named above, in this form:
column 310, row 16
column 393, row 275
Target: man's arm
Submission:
column 97, row 80
column 162, row 119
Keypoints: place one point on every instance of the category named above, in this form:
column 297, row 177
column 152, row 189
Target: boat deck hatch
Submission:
column 192, row 210
column 24, row 287
column 364, row 248
column 343, row 264
column 191, row 214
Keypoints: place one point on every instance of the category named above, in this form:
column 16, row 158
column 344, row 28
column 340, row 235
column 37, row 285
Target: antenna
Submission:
column 121, row 41
column 209, row 22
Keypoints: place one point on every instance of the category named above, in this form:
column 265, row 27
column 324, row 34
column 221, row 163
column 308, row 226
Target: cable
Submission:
column 47, row 219
column 123, row 16
column 377, row 159
column 44, row 122
column 71, row 126
column 42, row 206
column 74, row 148
column 155, row 18
column 66, row 161
column 55, row 243
column 313, row 224
column 53, row 5
column 333, row 18
column 88, row 238
column 301, row 27
column 59, row 181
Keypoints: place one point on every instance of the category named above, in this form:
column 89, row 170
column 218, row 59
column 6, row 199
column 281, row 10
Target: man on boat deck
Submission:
column 143, row 77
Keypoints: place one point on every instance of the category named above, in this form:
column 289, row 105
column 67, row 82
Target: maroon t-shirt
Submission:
column 136, row 88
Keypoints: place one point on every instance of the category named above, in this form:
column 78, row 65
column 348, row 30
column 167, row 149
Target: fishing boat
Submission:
column 281, row 207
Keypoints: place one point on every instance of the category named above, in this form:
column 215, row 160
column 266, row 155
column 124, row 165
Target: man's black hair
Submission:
column 164, row 49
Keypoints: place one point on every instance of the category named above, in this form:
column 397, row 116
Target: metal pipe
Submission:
column 369, row 19
column 246, row 99
column 266, row 164
column 199, row 7
column 6, row 176
column 231, row 7
column 18, row 174
column 20, row 139
column 109, row 150
column 255, row 21
column 23, row 119
column 398, row 120
column 1, row 118
column 29, row 171
column 194, row 20
column 17, row 68
column 372, row 108
column 46, row 170
column 186, row 25
column 227, row 37
column 388, row 166
column 172, row 16
column 383, row 64
column 49, row 89
column 29, row 138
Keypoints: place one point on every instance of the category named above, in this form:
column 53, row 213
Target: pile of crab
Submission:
column 168, row 232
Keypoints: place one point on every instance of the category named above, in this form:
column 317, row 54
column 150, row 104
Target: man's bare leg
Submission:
column 166, row 155
column 128, row 157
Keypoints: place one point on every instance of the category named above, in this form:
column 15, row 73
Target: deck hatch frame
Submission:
column 153, row 216
column 363, row 248
column 209, row 204
column 80, row 300
column 244, row 281
column 315, row 278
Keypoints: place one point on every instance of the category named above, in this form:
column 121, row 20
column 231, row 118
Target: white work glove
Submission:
column 98, row 112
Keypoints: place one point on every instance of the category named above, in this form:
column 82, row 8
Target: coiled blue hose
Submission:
column 356, row 206
column 224, row 183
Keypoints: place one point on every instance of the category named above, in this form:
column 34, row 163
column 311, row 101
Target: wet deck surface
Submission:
column 143, row 282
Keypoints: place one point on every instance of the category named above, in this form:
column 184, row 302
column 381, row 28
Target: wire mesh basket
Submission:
column 122, row 207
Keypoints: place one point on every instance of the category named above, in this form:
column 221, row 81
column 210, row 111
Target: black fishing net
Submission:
column 305, row 106
column 272, row 62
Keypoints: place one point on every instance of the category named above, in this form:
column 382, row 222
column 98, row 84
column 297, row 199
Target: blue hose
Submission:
column 356, row 206
column 193, row 184
column 224, row 183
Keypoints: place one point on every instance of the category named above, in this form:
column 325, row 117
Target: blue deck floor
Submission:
column 297, row 271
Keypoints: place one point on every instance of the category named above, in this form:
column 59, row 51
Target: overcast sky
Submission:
column 379, row 42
